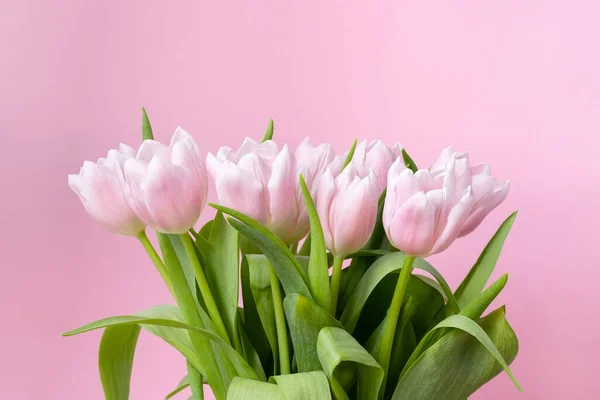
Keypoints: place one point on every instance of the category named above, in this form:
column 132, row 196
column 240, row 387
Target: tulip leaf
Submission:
column 336, row 346
column 479, row 274
column 146, row 127
column 305, row 248
column 461, row 361
column 195, row 382
column 348, row 159
column 221, row 268
column 410, row 164
column 260, row 284
column 286, row 266
column 376, row 272
column 240, row 364
column 305, row 320
column 248, row 349
column 304, row 386
column 205, row 230
column 252, row 322
column 115, row 360
column 318, row 269
column 269, row 133
column 183, row 384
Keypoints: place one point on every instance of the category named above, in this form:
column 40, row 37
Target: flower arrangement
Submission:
column 286, row 222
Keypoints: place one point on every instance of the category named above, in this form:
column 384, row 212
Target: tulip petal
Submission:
column 454, row 222
column 151, row 148
column 325, row 192
column 412, row 227
column 483, row 209
column 283, row 203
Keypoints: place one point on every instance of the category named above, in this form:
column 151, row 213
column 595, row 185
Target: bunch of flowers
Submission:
column 387, row 326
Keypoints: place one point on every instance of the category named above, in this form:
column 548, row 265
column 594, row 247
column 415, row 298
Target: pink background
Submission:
column 516, row 83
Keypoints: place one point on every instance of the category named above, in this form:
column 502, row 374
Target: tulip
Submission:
column 347, row 208
column 263, row 183
column 425, row 211
column 167, row 186
column 376, row 156
column 98, row 187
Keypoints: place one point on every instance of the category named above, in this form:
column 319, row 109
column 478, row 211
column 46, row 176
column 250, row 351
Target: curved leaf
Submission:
column 350, row 154
column 183, row 384
column 318, row 269
column 269, row 133
column 248, row 349
column 288, row 269
column 115, row 360
column 410, row 164
column 195, row 382
column 380, row 268
column 241, row 366
column 146, row 127
column 479, row 274
column 303, row 386
column 305, row 320
column 336, row 346
column 461, row 361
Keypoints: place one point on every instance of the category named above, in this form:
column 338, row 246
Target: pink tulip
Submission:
column 167, row 186
column 376, row 156
column 424, row 212
column 263, row 183
column 99, row 189
column 347, row 208
column 316, row 160
column 487, row 192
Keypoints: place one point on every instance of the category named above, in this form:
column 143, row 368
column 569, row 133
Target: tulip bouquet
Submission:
column 386, row 326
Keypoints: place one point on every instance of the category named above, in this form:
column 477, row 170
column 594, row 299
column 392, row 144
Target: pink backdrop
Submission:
column 516, row 83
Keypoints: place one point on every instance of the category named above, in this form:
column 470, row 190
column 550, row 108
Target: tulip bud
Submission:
column 425, row 211
column 347, row 208
column 167, row 186
column 98, row 187
column 376, row 156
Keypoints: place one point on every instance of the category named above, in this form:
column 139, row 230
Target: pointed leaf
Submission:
column 336, row 346
column 183, row 384
column 195, row 382
column 410, row 164
column 269, row 133
column 146, row 127
column 115, row 360
column 318, row 269
column 350, row 154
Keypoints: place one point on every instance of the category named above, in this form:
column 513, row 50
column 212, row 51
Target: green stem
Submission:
column 160, row 266
column 196, row 384
column 282, row 336
column 336, row 276
column 209, row 300
column 387, row 337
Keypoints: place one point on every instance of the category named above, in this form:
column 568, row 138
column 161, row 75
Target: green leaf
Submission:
column 305, row 320
column 269, row 133
column 260, row 284
column 146, row 127
column 336, row 346
column 183, row 384
column 304, row 386
column 410, row 164
column 241, row 366
column 248, row 350
column 252, row 321
column 462, row 361
column 205, row 230
column 382, row 267
column 288, row 269
column 478, row 276
column 115, row 360
column 305, row 249
column 318, row 269
column 195, row 382
column 350, row 154
column 221, row 268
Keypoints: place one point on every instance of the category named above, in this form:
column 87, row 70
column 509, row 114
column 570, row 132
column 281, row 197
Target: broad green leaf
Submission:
column 221, row 268
column 479, row 274
column 350, row 154
column 115, row 360
column 242, row 367
column 260, row 284
column 410, row 164
column 252, row 321
column 461, row 361
column 286, row 266
column 182, row 259
column 303, row 386
column 305, row 249
column 336, row 346
column 248, row 350
column 376, row 272
column 269, row 133
column 318, row 269
column 305, row 320
column 205, row 230
column 146, row 127
column 183, row 384
column 303, row 261
column 195, row 382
